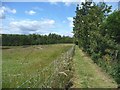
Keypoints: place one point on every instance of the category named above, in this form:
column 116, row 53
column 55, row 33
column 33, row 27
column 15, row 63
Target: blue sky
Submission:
column 38, row 17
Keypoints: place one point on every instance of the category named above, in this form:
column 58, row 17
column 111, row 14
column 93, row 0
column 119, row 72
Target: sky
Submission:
column 39, row 17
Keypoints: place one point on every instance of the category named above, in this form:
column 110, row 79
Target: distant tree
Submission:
column 33, row 39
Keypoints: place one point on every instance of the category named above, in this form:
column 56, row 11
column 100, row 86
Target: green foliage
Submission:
column 33, row 39
column 88, row 74
column 98, row 34
column 112, row 26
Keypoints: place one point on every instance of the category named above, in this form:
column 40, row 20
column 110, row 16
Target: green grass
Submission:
column 0, row 68
column 21, row 63
column 88, row 74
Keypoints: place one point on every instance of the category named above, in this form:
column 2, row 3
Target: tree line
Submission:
column 97, row 32
column 34, row 39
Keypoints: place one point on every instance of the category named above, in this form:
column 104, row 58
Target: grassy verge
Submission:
column 21, row 63
column 88, row 74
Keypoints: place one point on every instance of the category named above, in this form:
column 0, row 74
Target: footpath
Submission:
column 87, row 74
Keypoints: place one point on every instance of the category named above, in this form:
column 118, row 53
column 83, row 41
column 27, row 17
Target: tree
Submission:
column 98, row 34
column 33, row 39
column 112, row 26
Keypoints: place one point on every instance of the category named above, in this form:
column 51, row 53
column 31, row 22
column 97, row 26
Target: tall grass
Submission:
column 56, row 75
column 23, row 64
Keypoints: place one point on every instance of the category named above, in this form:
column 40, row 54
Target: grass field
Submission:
column 88, row 74
column 51, row 65
column 20, row 63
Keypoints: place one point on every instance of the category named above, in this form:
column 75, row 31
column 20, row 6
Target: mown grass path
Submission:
column 88, row 74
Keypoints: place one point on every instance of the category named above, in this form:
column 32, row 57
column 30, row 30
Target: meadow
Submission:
column 51, row 66
column 21, row 63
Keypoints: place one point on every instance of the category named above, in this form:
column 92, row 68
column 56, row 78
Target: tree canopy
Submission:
column 34, row 39
column 97, row 32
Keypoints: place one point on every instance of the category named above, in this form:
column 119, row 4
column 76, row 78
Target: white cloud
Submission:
column 70, row 2
column 30, row 26
column 9, row 10
column 37, row 8
column 64, row 21
column 13, row 11
column 6, row 9
column 58, row 0
column 2, row 14
column 53, row 3
column 31, row 12
column 70, row 19
column 66, row 2
column 63, row 0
